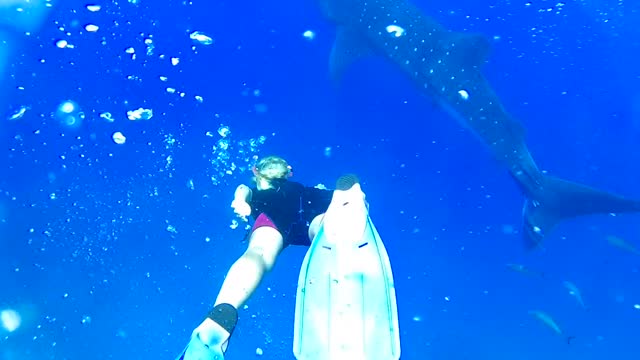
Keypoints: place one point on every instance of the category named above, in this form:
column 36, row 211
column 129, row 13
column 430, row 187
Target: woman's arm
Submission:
column 241, row 199
column 243, row 193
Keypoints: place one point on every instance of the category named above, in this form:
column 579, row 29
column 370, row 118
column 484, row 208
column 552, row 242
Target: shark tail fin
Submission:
column 558, row 199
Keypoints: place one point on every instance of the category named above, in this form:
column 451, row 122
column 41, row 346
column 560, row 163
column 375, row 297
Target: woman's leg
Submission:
column 210, row 338
column 244, row 276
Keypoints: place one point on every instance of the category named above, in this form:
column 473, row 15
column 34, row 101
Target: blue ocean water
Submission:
column 114, row 247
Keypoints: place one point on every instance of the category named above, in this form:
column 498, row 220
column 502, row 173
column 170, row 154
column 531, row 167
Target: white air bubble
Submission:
column 62, row 44
column 107, row 116
column 10, row 320
column 224, row 131
column 119, row 138
column 309, row 35
column 201, row 38
column 140, row 114
column 327, row 151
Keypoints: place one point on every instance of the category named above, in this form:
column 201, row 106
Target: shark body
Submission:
column 447, row 66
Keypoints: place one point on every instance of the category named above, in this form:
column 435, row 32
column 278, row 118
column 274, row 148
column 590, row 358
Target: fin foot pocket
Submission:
column 345, row 182
column 209, row 341
column 225, row 315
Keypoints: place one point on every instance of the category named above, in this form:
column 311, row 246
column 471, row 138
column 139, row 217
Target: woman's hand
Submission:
column 241, row 208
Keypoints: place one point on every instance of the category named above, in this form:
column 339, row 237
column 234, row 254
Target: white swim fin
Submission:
column 346, row 303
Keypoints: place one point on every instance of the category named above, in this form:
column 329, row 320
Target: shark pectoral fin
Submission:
column 473, row 48
column 347, row 49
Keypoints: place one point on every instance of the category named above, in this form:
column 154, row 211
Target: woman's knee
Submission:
column 266, row 243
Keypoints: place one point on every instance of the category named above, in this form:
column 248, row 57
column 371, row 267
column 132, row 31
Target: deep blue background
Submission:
column 100, row 247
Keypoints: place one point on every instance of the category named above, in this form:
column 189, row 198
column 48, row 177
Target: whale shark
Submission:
column 447, row 67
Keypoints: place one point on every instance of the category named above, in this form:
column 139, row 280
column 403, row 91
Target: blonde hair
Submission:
column 272, row 168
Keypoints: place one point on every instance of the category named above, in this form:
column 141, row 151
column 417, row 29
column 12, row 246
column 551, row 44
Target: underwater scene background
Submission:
column 127, row 126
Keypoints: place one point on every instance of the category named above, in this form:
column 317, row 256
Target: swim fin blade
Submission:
column 209, row 341
column 346, row 304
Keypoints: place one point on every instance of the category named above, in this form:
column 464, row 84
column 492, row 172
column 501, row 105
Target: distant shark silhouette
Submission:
column 447, row 65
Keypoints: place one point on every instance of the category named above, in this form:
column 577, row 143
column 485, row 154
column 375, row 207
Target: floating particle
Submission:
column 130, row 50
column 259, row 351
column 93, row 8
column 175, row 61
column 309, row 35
column 86, row 320
column 463, row 94
column 201, row 38
column 119, row 138
column 199, row 99
column 395, row 30
column 91, row 28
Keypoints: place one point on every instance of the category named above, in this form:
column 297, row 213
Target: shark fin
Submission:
column 473, row 48
column 348, row 48
column 560, row 199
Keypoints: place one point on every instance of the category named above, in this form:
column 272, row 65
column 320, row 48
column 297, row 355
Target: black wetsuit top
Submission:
column 291, row 206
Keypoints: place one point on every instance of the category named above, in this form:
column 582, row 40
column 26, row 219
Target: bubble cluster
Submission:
column 230, row 155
